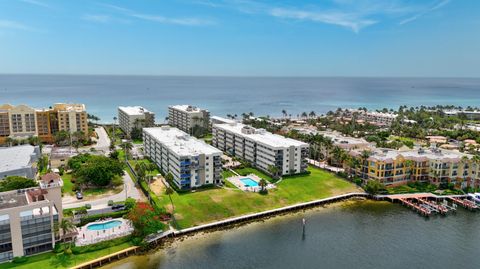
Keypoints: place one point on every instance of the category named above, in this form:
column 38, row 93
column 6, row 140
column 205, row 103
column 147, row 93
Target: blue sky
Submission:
column 433, row 38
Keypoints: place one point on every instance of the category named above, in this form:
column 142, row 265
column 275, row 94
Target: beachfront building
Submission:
column 192, row 162
column 469, row 114
column 274, row 154
column 130, row 117
column 396, row 167
column 19, row 161
column 189, row 118
column 372, row 117
column 27, row 218
column 221, row 120
column 72, row 117
column 22, row 121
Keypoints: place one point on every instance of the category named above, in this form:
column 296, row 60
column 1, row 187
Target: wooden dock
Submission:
column 464, row 203
column 107, row 259
column 421, row 210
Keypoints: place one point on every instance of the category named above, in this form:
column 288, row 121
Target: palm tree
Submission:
column 304, row 115
column 364, row 162
column 9, row 141
column 353, row 163
column 409, row 165
column 284, row 113
column 312, row 114
column 34, row 140
column 127, row 146
column 273, row 170
column 114, row 123
column 65, row 226
column 327, row 145
column 263, row 184
column 338, row 155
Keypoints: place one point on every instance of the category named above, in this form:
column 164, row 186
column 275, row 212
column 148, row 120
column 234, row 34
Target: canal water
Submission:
column 353, row 234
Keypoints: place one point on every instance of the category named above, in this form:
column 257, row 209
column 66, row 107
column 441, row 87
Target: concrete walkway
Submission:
column 129, row 190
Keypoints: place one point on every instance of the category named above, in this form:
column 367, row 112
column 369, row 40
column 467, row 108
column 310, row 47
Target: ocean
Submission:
column 235, row 95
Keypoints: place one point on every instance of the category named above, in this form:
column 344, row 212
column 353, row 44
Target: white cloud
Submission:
column 179, row 21
column 347, row 20
column 351, row 14
column 103, row 18
column 185, row 21
column 438, row 5
column 7, row 24
column 97, row 18
column 36, row 3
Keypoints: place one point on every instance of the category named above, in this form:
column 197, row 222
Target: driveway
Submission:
column 103, row 141
column 129, row 191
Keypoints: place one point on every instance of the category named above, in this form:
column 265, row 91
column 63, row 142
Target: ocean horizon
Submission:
column 222, row 95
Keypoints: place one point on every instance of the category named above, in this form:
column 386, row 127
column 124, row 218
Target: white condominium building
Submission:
column 19, row 161
column 28, row 217
column 130, row 117
column 373, row 117
column 262, row 149
column 192, row 162
column 185, row 117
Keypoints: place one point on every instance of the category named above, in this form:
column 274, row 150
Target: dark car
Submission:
column 79, row 195
column 118, row 207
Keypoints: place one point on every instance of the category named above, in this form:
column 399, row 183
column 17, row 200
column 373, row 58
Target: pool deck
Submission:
column 87, row 237
column 237, row 181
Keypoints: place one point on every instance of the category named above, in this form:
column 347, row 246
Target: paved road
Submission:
column 130, row 191
column 103, row 141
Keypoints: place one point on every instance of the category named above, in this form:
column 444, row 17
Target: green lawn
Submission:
column 249, row 170
column 67, row 183
column 49, row 260
column 147, row 161
column 204, row 206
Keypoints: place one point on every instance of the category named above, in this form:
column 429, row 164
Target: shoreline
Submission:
column 168, row 238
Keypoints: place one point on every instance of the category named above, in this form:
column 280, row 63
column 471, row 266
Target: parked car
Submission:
column 79, row 195
column 118, row 207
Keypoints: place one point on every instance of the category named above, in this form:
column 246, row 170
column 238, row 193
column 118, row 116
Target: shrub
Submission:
column 110, row 202
column 88, row 206
column 130, row 203
column 146, row 219
column 102, row 245
column 92, row 218
column 22, row 259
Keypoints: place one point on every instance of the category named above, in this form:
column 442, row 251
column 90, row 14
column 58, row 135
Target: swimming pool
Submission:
column 248, row 182
column 104, row 226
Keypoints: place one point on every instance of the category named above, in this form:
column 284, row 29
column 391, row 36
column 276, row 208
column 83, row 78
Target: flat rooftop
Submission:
column 17, row 157
column 187, row 108
column 222, row 119
column 338, row 138
column 261, row 136
column 180, row 142
column 63, row 107
column 12, row 199
column 417, row 154
column 23, row 197
column 133, row 110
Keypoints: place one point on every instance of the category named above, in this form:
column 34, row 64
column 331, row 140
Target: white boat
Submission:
column 475, row 197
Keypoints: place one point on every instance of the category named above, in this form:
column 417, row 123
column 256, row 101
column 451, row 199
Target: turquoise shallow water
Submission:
column 348, row 235
column 235, row 95
column 104, row 226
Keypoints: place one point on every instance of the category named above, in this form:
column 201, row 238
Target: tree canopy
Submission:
column 15, row 183
column 96, row 170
